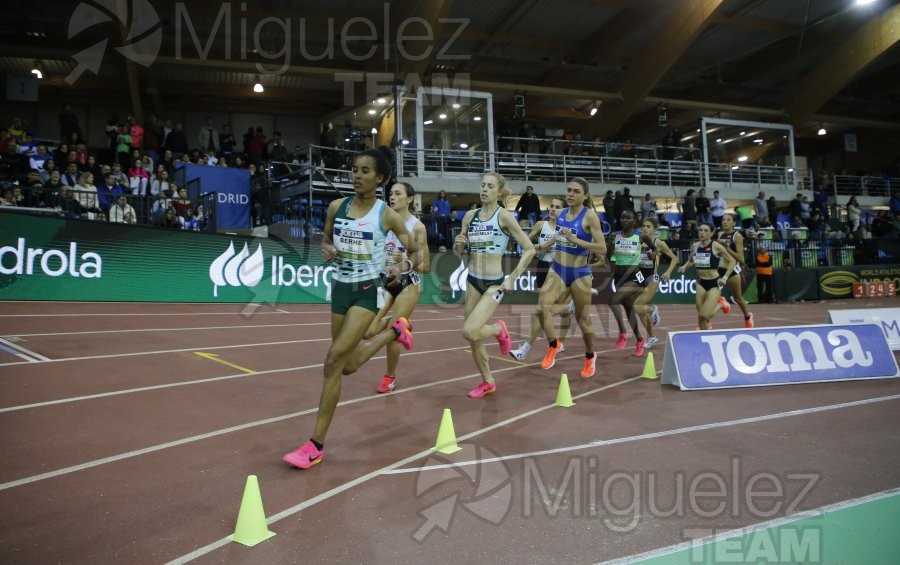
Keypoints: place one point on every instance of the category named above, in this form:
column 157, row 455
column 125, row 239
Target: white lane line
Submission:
column 375, row 474
column 740, row 532
column 24, row 352
column 393, row 467
column 183, row 441
column 202, row 328
column 145, row 314
column 654, row 435
column 199, row 348
column 200, row 382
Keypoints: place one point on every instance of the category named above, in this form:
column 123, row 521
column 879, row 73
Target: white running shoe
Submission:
column 522, row 352
column 571, row 306
column 651, row 341
column 562, row 346
column 654, row 317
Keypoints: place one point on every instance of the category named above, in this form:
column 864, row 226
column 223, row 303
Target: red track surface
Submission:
column 129, row 447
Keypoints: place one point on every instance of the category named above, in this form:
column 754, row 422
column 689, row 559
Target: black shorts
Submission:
column 708, row 284
column 406, row 279
column 481, row 285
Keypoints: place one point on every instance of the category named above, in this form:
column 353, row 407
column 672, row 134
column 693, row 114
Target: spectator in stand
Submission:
column 54, row 184
column 177, row 141
column 70, row 177
column 123, row 148
column 69, row 204
column 820, row 201
column 138, row 178
column 136, row 131
column 629, row 200
column 38, row 197
column 168, row 161
column 183, row 204
column 703, row 207
column 122, row 212
column 894, row 202
column 608, row 201
column 618, row 208
column 816, row 225
column 153, row 138
column 17, row 132
column 49, row 169
column 7, row 198
column 853, row 214
column 805, row 210
column 32, row 178
column 761, row 209
column 438, row 232
column 745, row 213
column 86, row 192
column 529, row 206
column 688, row 208
column 61, row 156
column 160, row 183
column 279, row 151
column 648, row 207
column 109, row 191
column 113, row 128
column 772, row 209
column 248, row 140
column 161, row 203
column 68, row 123
column 209, row 137
column 717, row 207
column 259, row 145
column 227, row 143
column 795, row 209
column 170, row 219
column 40, row 158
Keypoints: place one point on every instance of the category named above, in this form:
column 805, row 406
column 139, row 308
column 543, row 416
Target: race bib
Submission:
column 639, row 277
column 737, row 269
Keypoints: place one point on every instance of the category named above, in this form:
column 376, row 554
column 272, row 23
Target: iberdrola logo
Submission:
column 237, row 269
column 142, row 36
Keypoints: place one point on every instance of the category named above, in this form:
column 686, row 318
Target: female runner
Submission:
column 734, row 242
column 625, row 250
column 486, row 232
column 354, row 234
column 707, row 257
column 578, row 235
column 649, row 315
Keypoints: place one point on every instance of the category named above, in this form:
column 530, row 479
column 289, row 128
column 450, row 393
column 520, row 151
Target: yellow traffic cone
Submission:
column 649, row 367
column 563, row 396
column 446, row 438
column 251, row 525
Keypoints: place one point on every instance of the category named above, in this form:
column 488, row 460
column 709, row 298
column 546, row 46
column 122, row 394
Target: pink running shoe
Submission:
column 748, row 321
column 482, row 389
column 404, row 333
column 726, row 307
column 639, row 350
column 504, row 340
column 620, row 343
column 305, row 457
column 387, row 385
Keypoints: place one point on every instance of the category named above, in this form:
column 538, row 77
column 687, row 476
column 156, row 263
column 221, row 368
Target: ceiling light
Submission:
column 477, row 118
column 743, row 133
column 456, row 105
column 382, row 101
column 258, row 87
column 822, row 131
column 742, row 158
column 593, row 110
column 864, row 2
column 405, row 142
column 374, row 131
column 442, row 116
column 428, row 122
column 758, row 140
column 718, row 140
column 36, row 71
column 372, row 112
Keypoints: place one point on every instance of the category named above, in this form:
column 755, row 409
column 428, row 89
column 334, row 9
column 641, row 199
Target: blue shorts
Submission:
column 571, row 274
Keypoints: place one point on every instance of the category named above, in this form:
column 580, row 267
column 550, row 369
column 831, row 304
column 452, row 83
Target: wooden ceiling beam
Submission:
column 681, row 26
column 843, row 65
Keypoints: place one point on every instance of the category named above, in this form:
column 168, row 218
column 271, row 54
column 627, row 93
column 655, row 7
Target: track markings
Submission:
column 215, row 357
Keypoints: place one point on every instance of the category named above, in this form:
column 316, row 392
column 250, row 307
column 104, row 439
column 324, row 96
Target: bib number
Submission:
column 639, row 277
column 737, row 270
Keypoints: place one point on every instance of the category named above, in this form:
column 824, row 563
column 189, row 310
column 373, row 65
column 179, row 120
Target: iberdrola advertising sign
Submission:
column 51, row 258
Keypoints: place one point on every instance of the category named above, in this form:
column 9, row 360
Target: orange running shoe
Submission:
column 726, row 307
column 550, row 356
column 590, row 365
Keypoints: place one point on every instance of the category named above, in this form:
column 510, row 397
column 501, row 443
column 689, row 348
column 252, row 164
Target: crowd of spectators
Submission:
column 130, row 177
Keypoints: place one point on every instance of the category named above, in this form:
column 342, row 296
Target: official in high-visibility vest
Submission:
column 764, row 287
